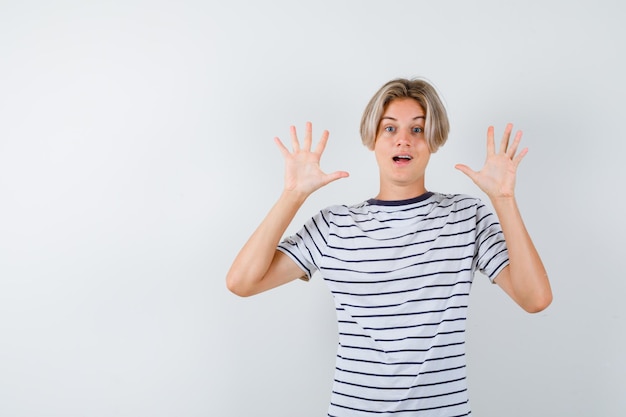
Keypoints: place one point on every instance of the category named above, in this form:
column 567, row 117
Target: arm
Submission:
column 259, row 266
column 525, row 279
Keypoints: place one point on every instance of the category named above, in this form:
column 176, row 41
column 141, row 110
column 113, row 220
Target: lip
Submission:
column 402, row 158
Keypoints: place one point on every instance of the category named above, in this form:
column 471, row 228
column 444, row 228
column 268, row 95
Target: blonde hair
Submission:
column 436, row 128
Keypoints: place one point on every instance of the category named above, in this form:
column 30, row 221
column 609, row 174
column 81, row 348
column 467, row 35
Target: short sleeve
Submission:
column 306, row 247
column 491, row 253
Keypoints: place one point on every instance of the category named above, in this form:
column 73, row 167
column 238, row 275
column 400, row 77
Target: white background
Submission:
column 137, row 155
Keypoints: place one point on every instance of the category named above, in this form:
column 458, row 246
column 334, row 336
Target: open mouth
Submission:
column 403, row 158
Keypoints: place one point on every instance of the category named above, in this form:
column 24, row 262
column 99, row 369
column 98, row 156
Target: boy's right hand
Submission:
column 303, row 174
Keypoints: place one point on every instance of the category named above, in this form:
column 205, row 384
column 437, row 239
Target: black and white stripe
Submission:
column 400, row 273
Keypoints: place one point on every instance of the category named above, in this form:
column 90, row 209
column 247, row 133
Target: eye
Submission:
column 418, row 130
column 390, row 129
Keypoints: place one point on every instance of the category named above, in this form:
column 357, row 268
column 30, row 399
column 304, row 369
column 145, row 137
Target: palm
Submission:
column 302, row 166
column 497, row 177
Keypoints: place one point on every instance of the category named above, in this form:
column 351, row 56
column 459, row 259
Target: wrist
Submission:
column 503, row 199
column 504, row 204
column 293, row 196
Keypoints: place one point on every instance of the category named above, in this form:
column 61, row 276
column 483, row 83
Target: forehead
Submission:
column 403, row 108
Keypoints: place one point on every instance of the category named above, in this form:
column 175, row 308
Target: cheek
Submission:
column 377, row 145
column 379, row 154
column 423, row 144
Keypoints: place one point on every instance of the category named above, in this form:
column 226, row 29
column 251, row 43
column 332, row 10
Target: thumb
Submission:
column 336, row 175
column 466, row 170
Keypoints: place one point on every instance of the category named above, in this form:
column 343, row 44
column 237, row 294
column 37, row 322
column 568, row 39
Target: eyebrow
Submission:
column 395, row 120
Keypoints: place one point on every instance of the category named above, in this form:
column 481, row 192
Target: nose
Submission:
column 403, row 138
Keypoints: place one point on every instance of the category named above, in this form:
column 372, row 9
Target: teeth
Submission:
column 399, row 157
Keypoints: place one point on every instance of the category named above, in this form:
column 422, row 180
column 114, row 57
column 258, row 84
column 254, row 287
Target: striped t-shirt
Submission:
column 400, row 274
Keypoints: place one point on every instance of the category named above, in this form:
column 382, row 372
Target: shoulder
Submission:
column 343, row 215
column 344, row 209
column 456, row 201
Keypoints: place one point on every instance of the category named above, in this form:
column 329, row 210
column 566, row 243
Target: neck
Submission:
column 400, row 192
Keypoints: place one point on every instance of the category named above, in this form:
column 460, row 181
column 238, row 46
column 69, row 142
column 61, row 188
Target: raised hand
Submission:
column 497, row 177
column 302, row 166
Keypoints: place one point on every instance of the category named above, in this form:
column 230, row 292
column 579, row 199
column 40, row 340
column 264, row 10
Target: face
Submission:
column 401, row 150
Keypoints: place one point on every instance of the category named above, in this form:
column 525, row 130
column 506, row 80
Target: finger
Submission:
column 321, row 145
column 520, row 156
column 513, row 147
column 466, row 170
column 308, row 136
column 491, row 147
column 281, row 147
column 336, row 175
column 295, row 145
column 504, row 143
